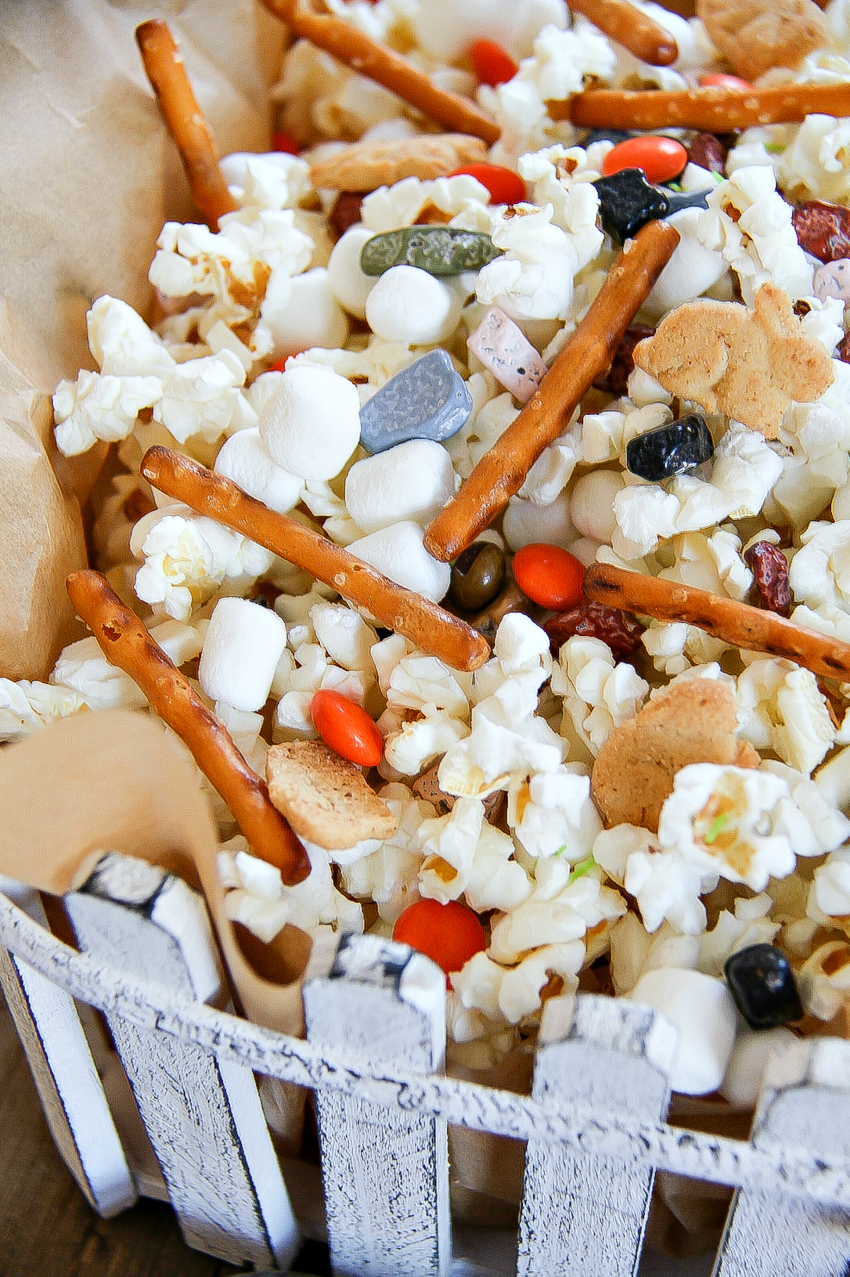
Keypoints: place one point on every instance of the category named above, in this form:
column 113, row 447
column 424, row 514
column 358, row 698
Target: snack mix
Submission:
column 627, row 803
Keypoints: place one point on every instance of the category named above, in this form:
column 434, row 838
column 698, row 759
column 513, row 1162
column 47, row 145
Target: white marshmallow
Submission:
column 310, row 425
column 702, row 1009
column 585, row 550
column 690, row 271
column 302, row 312
column 407, row 304
column 526, row 522
column 592, row 504
column 411, row 481
column 398, row 552
column 242, row 647
column 244, row 460
column 347, row 282
column 745, row 1073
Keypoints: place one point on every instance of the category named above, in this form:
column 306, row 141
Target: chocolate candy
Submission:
column 762, row 983
column 478, row 574
column 661, row 159
column 439, row 250
column 670, row 449
column 427, row 400
column 823, row 230
column 627, row 202
column 504, row 348
column 604, row 135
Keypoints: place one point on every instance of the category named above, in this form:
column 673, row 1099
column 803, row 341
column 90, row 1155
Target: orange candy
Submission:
column 661, row 158
column 491, row 63
column 505, row 186
column 346, row 728
column 549, row 576
column 448, row 934
column 719, row 80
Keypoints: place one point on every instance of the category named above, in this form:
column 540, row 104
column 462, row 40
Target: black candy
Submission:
column 686, row 199
column 627, row 201
column 762, row 983
column 605, row 135
column 670, row 449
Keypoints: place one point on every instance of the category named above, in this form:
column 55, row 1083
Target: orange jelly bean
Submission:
column 661, row 158
column 448, row 934
column 491, row 63
column 346, row 728
column 548, row 575
column 720, row 80
column 505, row 186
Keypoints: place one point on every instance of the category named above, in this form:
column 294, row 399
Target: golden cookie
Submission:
column 324, row 797
column 364, row 166
column 756, row 35
column 692, row 722
column 750, row 364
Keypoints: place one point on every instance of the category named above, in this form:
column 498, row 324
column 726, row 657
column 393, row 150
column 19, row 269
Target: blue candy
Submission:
column 428, row 400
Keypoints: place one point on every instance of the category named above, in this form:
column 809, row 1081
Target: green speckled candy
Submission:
column 439, row 250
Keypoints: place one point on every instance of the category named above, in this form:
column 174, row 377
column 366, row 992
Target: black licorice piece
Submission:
column 762, row 983
column 686, row 199
column 605, row 135
column 670, row 449
column 439, row 250
column 627, row 201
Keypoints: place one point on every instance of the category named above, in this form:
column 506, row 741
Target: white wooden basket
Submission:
column 594, row 1124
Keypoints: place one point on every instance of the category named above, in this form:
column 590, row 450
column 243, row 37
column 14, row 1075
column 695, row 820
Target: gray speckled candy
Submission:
column 428, row 400
column 439, row 250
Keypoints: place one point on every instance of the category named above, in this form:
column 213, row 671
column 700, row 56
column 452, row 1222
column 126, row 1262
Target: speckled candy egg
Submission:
column 833, row 280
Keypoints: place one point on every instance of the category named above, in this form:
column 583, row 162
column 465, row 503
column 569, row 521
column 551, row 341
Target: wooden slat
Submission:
column 385, row 1170
column 586, row 1215
column 202, row 1114
column 806, row 1102
column 65, row 1076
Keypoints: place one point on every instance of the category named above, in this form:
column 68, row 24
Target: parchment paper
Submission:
column 89, row 176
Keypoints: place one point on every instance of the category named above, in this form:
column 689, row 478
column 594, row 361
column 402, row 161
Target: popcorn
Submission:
column 599, row 693
column 781, row 708
column 96, row 407
column 551, row 814
column 26, row 706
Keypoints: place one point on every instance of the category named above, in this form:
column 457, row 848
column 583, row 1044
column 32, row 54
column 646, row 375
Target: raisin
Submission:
column 615, row 380
column 346, row 211
column 620, row 630
column 843, row 351
column 708, row 151
column 770, row 570
column 823, row 230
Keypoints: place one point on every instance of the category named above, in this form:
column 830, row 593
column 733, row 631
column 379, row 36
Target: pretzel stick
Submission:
column 423, row 622
column 714, row 109
column 738, row 623
column 127, row 644
column 185, row 121
column 588, row 353
column 626, row 24
column 367, row 57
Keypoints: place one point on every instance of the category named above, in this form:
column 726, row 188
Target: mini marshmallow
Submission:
column 407, row 304
column 398, row 552
column 310, row 425
column 690, row 271
column 702, row 1009
column 243, row 645
column 745, row 1073
column 525, row 523
column 592, row 504
column 301, row 311
column 411, row 481
column 244, row 460
column 347, row 282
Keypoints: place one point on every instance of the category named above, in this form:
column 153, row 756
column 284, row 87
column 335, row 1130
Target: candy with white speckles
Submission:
column 426, row 400
column 833, row 280
column 503, row 348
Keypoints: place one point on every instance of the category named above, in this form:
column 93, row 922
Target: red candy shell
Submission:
column 346, row 728
column 661, row 158
column 549, row 576
column 719, row 80
column 448, row 934
column 505, row 186
column 285, row 142
column 491, row 63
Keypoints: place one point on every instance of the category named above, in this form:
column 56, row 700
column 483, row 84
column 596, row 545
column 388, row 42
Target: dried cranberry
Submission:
column 843, row 351
column 770, row 570
column 708, row 151
column 620, row 630
column 615, row 380
column 823, row 230
column 346, row 211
